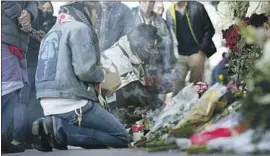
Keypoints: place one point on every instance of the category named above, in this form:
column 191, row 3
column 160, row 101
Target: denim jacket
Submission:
column 68, row 63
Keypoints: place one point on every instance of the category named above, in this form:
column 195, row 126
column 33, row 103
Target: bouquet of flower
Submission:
column 232, row 37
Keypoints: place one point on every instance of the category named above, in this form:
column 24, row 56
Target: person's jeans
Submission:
column 22, row 130
column 98, row 128
column 35, row 110
column 9, row 102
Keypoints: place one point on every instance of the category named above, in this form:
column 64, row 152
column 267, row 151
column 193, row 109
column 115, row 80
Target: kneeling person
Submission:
column 67, row 75
column 130, row 54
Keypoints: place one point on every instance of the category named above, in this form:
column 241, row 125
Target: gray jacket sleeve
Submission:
column 32, row 8
column 128, row 22
column 84, row 56
column 165, row 45
column 11, row 9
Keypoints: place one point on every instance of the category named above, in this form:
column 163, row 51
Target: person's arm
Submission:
column 174, row 46
column 84, row 56
column 32, row 8
column 128, row 22
column 165, row 45
column 209, row 30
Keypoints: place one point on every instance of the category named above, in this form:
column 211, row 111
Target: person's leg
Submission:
column 180, row 73
column 35, row 110
column 8, row 104
column 21, row 129
column 98, row 128
column 196, row 64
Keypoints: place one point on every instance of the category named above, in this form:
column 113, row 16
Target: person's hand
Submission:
column 25, row 18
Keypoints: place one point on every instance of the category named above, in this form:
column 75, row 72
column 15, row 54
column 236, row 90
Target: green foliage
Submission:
column 243, row 59
column 239, row 8
column 246, row 54
column 183, row 132
column 257, row 104
column 197, row 149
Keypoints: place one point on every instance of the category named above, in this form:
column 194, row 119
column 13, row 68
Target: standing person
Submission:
column 29, row 108
column 194, row 31
column 159, row 8
column 68, row 73
column 113, row 21
column 48, row 20
column 14, row 71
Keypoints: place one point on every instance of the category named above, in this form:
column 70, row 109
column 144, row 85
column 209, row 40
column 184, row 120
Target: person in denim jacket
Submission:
column 67, row 76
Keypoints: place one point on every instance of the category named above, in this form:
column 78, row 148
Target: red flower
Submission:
column 231, row 36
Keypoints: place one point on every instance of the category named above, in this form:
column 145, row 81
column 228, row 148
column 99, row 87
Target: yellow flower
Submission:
column 221, row 77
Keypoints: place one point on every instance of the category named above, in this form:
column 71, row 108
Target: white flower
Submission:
column 258, row 8
column 225, row 14
column 266, row 54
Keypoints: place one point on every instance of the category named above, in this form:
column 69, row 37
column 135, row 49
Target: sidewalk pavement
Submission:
column 73, row 151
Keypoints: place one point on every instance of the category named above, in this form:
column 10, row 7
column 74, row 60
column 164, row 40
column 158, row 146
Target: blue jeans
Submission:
column 9, row 102
column 21, row 129
column 35, row 110
column 98, row 128
column 27, row 98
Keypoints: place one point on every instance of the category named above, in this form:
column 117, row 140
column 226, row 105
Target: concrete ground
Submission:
column 109, row 152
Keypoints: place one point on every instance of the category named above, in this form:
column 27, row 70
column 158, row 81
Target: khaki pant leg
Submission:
column 196, row 65
column 182, row 69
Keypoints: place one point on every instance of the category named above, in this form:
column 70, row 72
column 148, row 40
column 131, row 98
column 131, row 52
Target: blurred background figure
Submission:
column 113, row 21
column 16, row 15
column 47, row 15
column 159, row 8
column 221, row 68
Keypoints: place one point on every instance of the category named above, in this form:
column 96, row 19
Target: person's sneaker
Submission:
column 40, row 141
column 7, row 147
column 57, row 140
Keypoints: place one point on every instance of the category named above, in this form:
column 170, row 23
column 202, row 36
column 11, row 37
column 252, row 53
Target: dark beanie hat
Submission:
column 143, row 33
column 141, row 40
column 80, row 12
